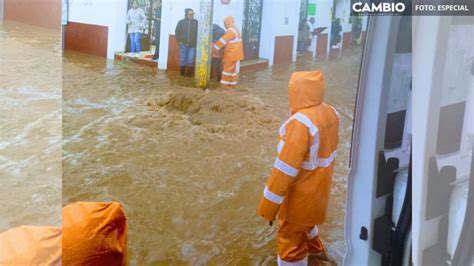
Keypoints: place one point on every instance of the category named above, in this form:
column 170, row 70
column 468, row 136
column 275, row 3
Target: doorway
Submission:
column 303, row 31
column 150, row 38
column 251, row 28
column 303, row 9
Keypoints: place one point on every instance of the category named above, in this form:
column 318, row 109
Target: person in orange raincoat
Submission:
column 299, row 185
column 233, row 51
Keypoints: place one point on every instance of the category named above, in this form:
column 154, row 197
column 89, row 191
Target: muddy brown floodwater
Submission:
column 188, row 165
column 30, row 126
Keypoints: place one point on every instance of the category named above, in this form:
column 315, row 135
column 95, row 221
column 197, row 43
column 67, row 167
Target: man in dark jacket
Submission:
column 186, row 35
column 336, row 28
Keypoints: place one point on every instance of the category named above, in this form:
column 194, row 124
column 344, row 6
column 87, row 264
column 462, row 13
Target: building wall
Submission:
column 343, row 11
column 279, row 18
column 235, row 8
column 322, row 19
column 1, row 11
column 42, row 13
column 106, row 13
column 323, row 13
column 279, row 22
column 86, row 38
column 322, row 46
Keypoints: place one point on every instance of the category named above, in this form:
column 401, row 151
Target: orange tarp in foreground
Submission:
column 94, row 233
column 31, row 245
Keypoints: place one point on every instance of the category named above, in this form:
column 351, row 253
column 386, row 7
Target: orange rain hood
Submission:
column 306, row 89
column 229, row 22
column 94, row 233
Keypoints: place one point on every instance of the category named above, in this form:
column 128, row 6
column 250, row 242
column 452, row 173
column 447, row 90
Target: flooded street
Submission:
column 189, row 166
column 30, row 126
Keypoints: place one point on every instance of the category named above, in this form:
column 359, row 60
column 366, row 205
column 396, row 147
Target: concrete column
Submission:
column 166, row 30
column 1, row 11
column 203, row 49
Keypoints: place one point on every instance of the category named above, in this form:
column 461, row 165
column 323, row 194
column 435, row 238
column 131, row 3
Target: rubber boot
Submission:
column 183, row 70
column 219, row 70
column 189, row 71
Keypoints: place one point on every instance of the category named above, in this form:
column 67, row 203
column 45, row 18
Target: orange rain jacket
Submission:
column 94, row 233
column 300, row 181
column 31, row 245
column 232, row 41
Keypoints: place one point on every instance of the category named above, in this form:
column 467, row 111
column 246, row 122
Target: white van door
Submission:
column 443, row 140
column 378, row 209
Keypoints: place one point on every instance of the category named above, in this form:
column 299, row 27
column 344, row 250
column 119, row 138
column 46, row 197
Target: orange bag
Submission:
column 31, row 245
column 94, row 233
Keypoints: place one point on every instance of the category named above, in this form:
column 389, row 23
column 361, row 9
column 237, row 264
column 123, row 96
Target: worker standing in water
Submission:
column 233, row 51
column 299, row 185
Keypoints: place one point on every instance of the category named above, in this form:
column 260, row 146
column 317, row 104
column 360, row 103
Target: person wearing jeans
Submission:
column 136, row 23
column 135, row 43
column 186, row 35
column 186, row 59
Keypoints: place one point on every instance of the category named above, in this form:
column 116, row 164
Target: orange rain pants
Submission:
column 229, row 74
column 294, row 242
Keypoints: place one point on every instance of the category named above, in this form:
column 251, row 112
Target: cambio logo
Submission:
column 360, row 7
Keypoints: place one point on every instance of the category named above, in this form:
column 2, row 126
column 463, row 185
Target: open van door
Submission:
column 443, row 205
column 378, row 214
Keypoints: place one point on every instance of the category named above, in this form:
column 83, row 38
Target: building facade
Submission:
column 269, row 27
